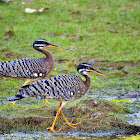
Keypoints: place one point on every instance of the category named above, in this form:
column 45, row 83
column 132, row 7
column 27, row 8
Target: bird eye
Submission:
column 89, row 67
column 44, row 42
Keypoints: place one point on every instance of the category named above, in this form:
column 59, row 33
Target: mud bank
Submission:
column 96, row 116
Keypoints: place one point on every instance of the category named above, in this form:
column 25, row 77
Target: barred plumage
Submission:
column 25, row 68
column 64, row 88
column 29, row 69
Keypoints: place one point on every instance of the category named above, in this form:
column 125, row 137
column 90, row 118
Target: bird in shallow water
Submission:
column 30, row 69
column 64, row 88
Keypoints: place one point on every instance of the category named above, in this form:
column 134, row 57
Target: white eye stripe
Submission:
column 86, row 65
column 82, row 70
column 39, row 45
column 41, row 40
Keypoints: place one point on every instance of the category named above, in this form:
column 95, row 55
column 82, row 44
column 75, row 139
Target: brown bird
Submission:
column 63, row 88
column 30, row 69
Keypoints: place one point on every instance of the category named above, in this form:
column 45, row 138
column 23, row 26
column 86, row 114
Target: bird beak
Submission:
column 95, row 71
column 51, row 45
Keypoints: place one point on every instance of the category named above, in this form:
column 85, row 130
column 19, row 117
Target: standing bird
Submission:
column 64, row 88
column 30, row 69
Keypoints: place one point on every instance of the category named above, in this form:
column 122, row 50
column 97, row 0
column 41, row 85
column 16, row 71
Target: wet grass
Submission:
column 104, row 33
column 96, row 115
column 36, row 117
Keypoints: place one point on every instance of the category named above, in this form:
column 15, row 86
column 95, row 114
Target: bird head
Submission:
column 83, row 68
column 40, row 43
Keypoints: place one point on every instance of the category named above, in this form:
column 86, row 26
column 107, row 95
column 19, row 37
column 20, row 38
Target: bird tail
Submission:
column 15, row 97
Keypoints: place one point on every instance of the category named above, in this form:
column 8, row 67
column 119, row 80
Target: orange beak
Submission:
column 54, row 46
column 95, row 71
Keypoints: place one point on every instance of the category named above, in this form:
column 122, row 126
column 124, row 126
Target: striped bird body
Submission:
column 30, row 69
column 64, row 87
column 26, row 68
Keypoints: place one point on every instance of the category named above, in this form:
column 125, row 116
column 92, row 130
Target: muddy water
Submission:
column 69, row 135
column 116, row 135
column 133, row 117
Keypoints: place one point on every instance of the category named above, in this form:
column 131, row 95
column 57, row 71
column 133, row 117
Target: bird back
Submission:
column 64, row 87
column 23, row 68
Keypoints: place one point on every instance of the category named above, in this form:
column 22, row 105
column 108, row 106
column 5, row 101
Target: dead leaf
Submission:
column 8, row 34
column 76, row 12
column 29, row 10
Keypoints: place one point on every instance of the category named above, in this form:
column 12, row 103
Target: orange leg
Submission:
column 57, row 114
column 70, row 124
column 27, row 81
column 14, row 102
column 47, row 102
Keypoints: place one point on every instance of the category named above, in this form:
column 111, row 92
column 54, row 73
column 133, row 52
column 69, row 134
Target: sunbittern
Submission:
column 30, row 69
column 64, row 88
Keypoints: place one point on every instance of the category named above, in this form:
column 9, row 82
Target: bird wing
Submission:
column 24, row 68
column 63, row 87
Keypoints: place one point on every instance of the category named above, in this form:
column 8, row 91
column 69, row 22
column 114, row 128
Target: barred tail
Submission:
column 15, row 97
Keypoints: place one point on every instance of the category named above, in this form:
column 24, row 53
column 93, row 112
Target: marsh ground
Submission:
column 103, row 33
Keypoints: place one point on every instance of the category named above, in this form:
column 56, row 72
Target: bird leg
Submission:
column 27, row 81
column 70, row 124
column 47, row 102
column 57, row 114
column 14, row 102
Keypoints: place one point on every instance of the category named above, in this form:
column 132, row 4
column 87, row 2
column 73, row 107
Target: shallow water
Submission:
column 36, row 135
column 134, row 118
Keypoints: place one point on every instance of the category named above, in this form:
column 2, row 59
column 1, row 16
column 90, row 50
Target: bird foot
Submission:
column 14, row 102
column 72, row 124
column 52, row 129
column 47, row 102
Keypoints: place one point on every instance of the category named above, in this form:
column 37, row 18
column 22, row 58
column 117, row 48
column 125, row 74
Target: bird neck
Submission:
column 87, row 82
column 47, row 53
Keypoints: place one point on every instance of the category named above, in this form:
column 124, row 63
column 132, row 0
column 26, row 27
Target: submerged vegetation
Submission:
column 103, row 33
